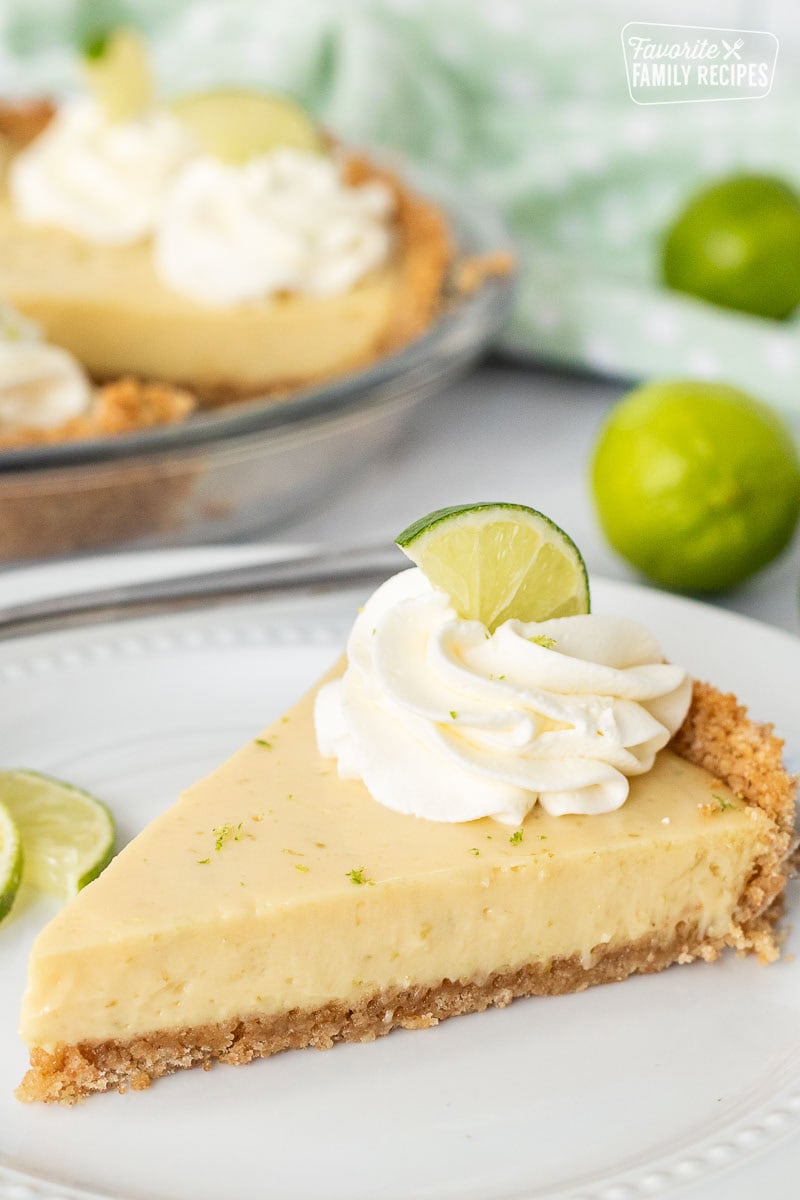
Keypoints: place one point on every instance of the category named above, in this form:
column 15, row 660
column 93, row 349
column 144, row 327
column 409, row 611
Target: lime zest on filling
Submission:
column 359, row 877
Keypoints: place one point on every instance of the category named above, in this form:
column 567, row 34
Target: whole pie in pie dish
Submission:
column 220, row 243
column 457, row 816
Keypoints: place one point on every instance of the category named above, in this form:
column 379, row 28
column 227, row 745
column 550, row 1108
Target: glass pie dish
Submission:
column 242, row 469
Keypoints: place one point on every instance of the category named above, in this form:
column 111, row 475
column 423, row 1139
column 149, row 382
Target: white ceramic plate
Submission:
column 686, row 1082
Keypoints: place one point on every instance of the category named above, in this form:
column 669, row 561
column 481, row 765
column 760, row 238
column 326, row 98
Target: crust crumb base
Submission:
column 125, row 406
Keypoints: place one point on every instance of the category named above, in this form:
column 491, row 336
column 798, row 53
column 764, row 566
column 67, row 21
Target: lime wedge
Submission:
column 10, row 861
column 499, row 561
column 117, row 73
column 236, row 125
column 67, row 835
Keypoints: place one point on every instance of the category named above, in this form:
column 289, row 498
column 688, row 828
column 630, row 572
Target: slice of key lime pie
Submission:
column 219, row 242
column 496, row 794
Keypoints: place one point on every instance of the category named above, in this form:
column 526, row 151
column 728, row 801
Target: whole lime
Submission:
column 737, row 244
column 696, row 484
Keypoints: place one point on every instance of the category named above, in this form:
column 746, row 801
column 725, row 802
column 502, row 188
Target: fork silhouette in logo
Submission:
column 733, row 50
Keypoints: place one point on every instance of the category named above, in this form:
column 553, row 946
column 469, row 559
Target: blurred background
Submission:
column 521, row 107
column 524, row 102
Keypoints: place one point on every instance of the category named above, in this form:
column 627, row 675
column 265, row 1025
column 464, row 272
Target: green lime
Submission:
column 236, row 125
column 10, row 861
column 117, row 73
column 737, row 244
column 696, row 484
column 498, row 561
column 67, row 835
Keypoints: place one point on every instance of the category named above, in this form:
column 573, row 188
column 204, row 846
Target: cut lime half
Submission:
column 68, row 837
column 499, row 561
column 117, row 73
column 235, row 125
column 10, row 861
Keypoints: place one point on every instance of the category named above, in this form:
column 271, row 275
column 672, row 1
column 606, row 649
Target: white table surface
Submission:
column 519, row 434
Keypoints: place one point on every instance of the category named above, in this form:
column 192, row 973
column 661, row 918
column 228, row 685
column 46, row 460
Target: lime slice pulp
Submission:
column 499, row 561
column 67, row 835
column 10, row 861
column 235, row 125
column 117, row 74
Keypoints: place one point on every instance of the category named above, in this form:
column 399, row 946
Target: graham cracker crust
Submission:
column 472, row 273
column 123, row 406
column 717, row 735
column 22, row 121
column 427, row 252
column 128, row 499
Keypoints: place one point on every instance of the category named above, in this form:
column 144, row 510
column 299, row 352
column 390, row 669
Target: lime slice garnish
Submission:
column 117, row 73
column 499, row 561
column 10, row 861
column 237, row 125
column 68, row 836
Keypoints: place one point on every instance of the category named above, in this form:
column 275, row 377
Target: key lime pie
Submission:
column 496, row 794
column 221, row 242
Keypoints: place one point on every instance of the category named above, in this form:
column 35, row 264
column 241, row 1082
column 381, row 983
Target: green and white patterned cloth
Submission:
column 524, row 101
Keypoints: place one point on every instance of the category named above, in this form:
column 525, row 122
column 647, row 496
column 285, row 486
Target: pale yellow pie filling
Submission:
column 107, row 306
column 272, row 886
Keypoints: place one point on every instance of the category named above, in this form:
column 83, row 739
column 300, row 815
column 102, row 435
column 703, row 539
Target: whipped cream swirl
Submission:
column 41, row 386
column 286, row 221
column 103, row 181
column 442, row 720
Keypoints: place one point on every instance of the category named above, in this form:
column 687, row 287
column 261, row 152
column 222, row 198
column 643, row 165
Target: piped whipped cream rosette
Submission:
column 41, row 385
column 104, row 181
column 286, row 221
column 444, row 721
column 236, row 193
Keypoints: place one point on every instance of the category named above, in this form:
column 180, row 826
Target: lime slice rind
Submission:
column 68, row 835
column 11, row 861
column 499, row 561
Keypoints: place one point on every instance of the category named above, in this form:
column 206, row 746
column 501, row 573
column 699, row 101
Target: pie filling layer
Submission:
column 71, row 1072
column 299, row 938
column 108, row 308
